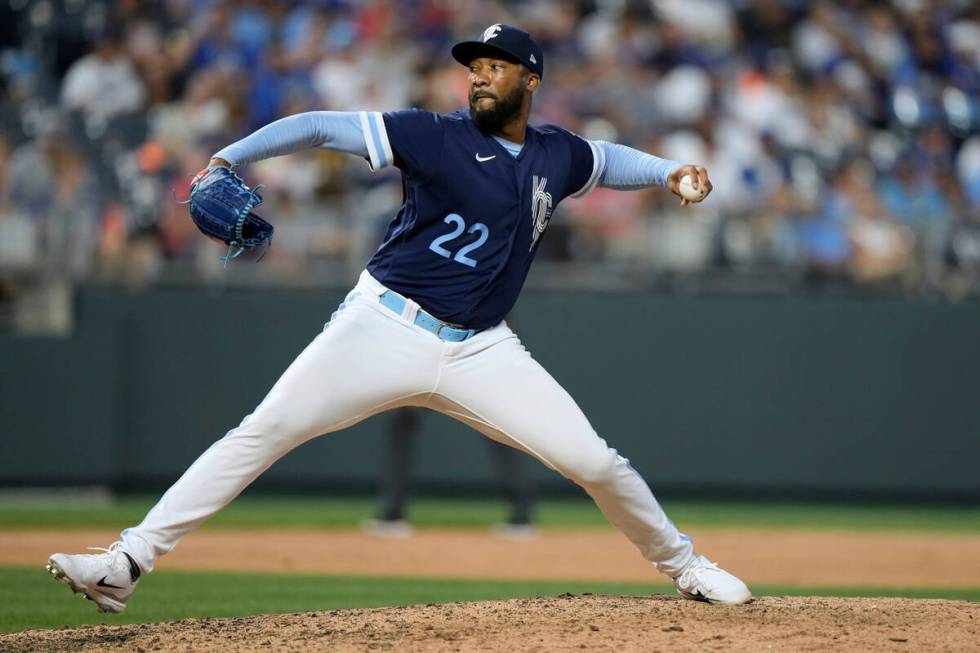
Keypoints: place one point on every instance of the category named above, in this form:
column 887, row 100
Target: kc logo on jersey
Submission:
column 491, row 32
column 540, row 208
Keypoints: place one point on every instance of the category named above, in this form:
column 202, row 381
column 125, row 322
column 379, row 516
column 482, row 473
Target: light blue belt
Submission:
column 442, row 330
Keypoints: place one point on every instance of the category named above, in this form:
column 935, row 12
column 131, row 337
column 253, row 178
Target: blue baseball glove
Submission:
column 221, row 207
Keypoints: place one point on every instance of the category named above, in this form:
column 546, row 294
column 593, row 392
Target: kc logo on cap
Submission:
column 491, row 32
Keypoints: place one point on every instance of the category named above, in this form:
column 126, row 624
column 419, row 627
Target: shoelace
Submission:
column 115, row 551
column 111, row 549
column 698, row 564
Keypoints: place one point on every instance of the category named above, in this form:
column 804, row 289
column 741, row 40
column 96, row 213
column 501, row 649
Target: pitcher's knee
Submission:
column 272, row 431
column 594, row 470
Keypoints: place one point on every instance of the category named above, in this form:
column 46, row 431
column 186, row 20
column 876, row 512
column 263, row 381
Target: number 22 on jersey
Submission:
column 460, row 227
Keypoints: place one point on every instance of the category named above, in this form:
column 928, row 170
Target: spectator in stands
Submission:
column 103, row 84
column 51, row 184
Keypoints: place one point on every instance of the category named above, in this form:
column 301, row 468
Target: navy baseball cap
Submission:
column 496, row 39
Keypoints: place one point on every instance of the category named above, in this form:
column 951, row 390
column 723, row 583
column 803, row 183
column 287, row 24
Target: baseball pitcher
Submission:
column 424, row 325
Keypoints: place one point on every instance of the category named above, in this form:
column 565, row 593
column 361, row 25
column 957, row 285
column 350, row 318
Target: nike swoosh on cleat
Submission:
column 102, row 583
column 698, row 596
column 481, row 159
column 134, row 569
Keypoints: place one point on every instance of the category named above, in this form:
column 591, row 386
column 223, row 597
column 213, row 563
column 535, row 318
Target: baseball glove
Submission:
column 221, row 207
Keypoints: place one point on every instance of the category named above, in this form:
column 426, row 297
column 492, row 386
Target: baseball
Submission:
column 689, row 192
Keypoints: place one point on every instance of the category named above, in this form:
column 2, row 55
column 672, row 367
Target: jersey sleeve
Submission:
column 586, row 163
column 412, row 140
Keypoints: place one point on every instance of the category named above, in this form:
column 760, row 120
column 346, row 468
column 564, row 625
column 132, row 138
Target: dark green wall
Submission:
column 702, row 394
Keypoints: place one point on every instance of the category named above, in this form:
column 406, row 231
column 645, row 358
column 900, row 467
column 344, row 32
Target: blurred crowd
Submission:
column 841, row 136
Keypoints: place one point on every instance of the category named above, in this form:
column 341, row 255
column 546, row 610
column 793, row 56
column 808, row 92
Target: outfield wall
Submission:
column 703, row 394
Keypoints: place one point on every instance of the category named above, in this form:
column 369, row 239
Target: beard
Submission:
column 504, row 109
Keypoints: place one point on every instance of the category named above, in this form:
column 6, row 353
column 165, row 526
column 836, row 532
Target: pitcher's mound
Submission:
column 564, row 623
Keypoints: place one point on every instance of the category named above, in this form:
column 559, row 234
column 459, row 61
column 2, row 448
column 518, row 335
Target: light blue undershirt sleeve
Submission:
column 334, row 130
column 629, row 169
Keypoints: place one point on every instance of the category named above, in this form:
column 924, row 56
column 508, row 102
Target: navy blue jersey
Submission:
column 473, row 215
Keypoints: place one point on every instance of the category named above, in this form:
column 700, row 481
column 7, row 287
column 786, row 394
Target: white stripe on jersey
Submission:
column 598, row 167
column 375, row 159
column 385, row 145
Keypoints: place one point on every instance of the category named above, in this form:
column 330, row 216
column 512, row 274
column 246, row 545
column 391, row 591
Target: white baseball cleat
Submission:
column 702, row 580
column 106, row 578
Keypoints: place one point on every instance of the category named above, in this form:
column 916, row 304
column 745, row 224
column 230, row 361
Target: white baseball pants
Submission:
column 367, row 360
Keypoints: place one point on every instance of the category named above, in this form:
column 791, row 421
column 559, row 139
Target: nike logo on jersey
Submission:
column 481, row 159
column 102, row 583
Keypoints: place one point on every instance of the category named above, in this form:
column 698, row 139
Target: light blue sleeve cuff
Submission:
column 630, row 169
column 360, row 133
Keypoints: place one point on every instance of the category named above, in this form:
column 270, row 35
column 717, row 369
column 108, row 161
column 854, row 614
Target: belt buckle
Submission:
column 443, row 325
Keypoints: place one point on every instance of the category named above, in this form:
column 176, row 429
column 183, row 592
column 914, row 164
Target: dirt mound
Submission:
column 594, row 623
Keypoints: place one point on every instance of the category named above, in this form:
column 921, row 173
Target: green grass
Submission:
column 325, row 512
column 31, row 599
